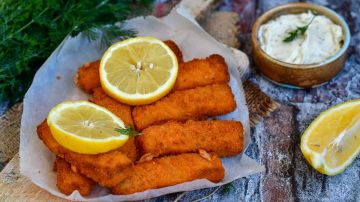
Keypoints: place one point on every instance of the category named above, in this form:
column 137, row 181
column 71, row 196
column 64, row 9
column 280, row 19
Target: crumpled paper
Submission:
column 54, row 83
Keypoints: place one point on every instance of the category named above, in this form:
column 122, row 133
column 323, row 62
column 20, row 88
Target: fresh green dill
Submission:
column 227, row 188
column 299, row 30
column 31, row 29
column 130, row 131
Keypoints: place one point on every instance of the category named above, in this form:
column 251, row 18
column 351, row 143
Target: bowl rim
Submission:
column 268, row 15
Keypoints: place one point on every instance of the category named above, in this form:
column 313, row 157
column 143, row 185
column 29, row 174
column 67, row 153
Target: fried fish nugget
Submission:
column 101, row 168
column 211, row 100
column 175, row 48
column 168, row 171
column 88, row 78
column 225, row 138
column 130, row 149
column 202, row 72
column 121, row 110
column 69, row 180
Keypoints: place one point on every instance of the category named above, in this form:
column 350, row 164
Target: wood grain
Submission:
column 222, row 26
column 15, row 187
column 200, row 8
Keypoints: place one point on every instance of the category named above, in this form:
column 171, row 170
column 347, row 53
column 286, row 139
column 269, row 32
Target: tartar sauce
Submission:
column 321, row 40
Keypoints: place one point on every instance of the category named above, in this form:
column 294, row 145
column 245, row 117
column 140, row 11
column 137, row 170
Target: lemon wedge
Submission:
column 332, row 141
column 84, row 127
column 138, row 70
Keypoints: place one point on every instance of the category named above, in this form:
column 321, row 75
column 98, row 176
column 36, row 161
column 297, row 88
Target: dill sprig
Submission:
column 227, row 188
column 31, row 29
column 299, row 30
column 130, row 131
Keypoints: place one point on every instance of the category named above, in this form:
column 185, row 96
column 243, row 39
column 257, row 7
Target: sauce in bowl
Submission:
column 321, row 39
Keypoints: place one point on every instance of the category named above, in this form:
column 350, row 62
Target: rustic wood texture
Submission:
column 14, row 187
column 200, row 9
column 275, row 141
column 222, row 26
column 260, row 105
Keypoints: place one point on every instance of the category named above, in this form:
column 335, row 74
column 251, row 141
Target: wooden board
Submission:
column 15, row 187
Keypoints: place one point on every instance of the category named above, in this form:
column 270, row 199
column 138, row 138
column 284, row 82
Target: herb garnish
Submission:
column 31, row 30
column 227, row 188
column 293, row 34
column 130, row 131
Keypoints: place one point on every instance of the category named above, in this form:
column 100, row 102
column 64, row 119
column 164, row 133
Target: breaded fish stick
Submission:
column 169, row 170
column 121, row 110
column 211, row 100
column 175, row 48
column 101, row 168
column 88, row 78
column 69, row 180
column 225, row 138
column 201, row 72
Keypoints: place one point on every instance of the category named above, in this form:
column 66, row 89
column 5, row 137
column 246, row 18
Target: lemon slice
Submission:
column 83, row 127
column 138, row 71
column 332, row 141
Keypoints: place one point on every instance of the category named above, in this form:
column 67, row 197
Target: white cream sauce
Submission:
column 321, row 40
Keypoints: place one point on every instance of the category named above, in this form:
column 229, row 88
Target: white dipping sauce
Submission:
column 321, row 40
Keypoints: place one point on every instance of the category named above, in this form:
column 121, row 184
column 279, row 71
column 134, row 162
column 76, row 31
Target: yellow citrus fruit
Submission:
column 138, row 70
column 84, row 127
column 332, row 141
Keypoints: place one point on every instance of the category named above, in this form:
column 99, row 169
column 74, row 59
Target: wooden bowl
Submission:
column 299, row 75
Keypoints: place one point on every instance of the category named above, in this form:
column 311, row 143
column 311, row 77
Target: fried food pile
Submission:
column 178, row 142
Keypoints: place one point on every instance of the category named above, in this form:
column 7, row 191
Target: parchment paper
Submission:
column 54, row 83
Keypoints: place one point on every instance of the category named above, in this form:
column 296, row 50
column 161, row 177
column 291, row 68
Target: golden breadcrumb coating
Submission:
column 101, row 168
column 168, row 171
column 211, row 100
column 68, row 181
column 225, row 138
column 123, row 111
column 202, row 72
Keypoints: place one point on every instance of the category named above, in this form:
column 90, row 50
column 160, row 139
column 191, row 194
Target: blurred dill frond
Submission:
column 31, row 29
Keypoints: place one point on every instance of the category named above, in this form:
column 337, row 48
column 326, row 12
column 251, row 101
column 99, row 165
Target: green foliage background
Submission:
column 31, row 29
